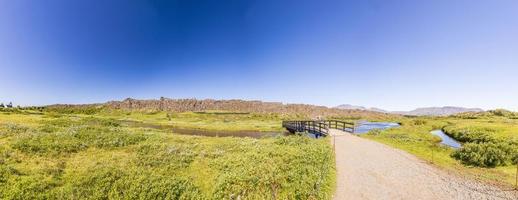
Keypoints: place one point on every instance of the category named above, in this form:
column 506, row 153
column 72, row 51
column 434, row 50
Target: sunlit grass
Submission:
column 212, row 120
column 81, row 156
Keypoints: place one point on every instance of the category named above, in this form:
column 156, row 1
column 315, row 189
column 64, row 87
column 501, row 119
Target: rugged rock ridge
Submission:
column 184, row 105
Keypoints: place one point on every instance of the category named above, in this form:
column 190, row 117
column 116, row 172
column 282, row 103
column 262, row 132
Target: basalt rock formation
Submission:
column 194, row 105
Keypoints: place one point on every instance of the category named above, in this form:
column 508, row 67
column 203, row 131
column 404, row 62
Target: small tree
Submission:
column 2, row 105
column 10, row 105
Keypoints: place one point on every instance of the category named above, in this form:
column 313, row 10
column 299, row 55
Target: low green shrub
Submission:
column 57, row 124
column 58, row 140
column 472, row 134
column 375, row 132
column 106, row 137
column 485, row 154
column 6, row 171
column 146, row 185
column 167, row 156
column 75, row 139
column 26, row 187
column 502, row 113
column 48, row 143
column 402, row 137
column 419, row 122
column 11, row 129
column 94, row 183
column 105, row 182
column 53, row 115
column 292, row 140
column 6, row 155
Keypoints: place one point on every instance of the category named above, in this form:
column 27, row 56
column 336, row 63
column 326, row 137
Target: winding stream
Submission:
column 447, row 140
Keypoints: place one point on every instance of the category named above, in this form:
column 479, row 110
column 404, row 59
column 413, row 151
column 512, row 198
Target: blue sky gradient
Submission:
column 396, row 55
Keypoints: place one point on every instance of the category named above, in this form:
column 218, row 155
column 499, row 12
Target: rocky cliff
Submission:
column 184, row 105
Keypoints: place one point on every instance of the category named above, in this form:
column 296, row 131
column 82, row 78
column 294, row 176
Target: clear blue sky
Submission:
column 395, row 55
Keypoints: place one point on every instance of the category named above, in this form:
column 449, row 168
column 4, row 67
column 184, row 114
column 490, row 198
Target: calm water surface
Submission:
column 365, row 127
column 447, row 140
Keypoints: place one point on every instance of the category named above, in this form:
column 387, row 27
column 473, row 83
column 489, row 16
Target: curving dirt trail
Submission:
column 370, row 170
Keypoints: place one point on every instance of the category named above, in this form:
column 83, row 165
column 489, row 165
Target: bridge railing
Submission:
column 341, row 125
column 315, row 127
column 319, row 128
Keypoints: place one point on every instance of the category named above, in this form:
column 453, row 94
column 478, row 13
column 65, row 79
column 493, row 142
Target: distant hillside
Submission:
column 438, row 111
column 428, row 111
column 490, row 113
column 353, row 107
column 184, row 105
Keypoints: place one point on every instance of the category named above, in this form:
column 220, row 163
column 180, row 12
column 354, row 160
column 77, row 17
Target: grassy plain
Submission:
column 211, row 120
column 92, row 155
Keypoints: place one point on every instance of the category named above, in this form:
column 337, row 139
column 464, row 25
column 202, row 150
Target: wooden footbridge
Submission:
column 319, row 127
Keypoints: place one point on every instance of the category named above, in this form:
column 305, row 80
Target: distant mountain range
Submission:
column 428, row 111
column 353, row 107
column 439, row 111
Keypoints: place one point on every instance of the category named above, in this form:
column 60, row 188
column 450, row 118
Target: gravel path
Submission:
column 370, row 170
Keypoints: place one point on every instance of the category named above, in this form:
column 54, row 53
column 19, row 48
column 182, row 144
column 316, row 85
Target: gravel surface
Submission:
column 370, row 170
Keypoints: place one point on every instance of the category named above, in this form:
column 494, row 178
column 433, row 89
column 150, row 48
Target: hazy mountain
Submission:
column 373, row 109
column 438, row 111
column 353, row 107
column 431, row 111
column 350, row 107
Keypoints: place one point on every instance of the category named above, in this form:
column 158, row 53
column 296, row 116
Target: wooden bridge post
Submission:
column 313, row 128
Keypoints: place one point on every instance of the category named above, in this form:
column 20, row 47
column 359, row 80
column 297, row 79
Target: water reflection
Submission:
column 447, row 140
column 365, row 127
